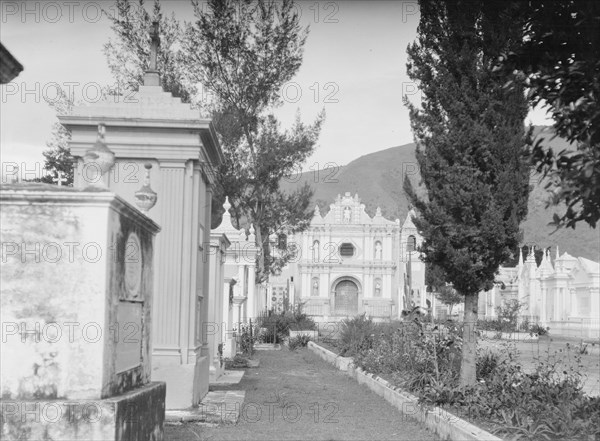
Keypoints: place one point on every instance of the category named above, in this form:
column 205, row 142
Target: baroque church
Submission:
column 350, row 263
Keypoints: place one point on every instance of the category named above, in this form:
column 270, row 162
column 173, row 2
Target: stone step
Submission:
column 217, row 407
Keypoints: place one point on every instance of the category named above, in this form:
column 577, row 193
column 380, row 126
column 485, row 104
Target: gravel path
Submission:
column 297, row 396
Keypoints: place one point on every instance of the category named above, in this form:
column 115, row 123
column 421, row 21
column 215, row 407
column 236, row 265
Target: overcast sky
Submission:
column 354, row 67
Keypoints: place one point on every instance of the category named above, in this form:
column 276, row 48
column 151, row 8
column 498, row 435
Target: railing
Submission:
column 521, row 323
column 380, row 311
column 579, row 327
column 244, row 336
column 315, row 309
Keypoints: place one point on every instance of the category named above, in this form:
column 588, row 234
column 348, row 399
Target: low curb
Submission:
column 439, row 421
column 345, row 364
column 267, row 347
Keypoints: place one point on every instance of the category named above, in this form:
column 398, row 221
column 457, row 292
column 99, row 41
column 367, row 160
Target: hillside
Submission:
column 378, row 177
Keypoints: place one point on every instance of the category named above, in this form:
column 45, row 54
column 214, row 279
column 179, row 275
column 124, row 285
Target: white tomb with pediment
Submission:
column 241, row 301
column 154, row 128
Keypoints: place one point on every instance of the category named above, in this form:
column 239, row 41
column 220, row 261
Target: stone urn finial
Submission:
column 145, row 197
column 226, row 204
column 251, row 236
column 97, row 161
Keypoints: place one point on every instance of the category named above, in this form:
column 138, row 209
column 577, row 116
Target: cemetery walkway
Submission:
column 294, row 395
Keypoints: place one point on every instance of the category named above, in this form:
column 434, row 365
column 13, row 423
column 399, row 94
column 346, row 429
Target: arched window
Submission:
column 282, row 241
column 315, row 251
column 378, row 251
column 411, row 243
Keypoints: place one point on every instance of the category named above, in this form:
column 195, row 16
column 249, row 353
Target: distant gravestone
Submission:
column 75, row 307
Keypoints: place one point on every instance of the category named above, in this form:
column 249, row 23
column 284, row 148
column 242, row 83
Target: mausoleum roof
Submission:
column 408, row 222
column 226, row 227
column 589, row 266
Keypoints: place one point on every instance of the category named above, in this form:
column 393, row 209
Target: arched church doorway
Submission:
column 346, row 298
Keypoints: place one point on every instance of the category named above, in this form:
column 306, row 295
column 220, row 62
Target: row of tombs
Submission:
column 106, row 323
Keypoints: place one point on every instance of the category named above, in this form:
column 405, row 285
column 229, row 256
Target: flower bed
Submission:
column 547, row 403
column 518, row 336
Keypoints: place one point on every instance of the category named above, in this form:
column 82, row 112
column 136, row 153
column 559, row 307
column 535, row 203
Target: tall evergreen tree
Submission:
column 470, row 137
column 58, row 162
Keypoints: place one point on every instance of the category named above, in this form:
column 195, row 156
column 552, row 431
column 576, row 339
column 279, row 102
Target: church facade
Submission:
column 350, row 263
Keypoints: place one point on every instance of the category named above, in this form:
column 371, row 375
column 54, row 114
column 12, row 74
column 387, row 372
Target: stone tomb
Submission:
column 76, row 316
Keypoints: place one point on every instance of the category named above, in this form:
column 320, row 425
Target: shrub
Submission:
column 495, row 325
column 299, row 341
column 247, row 338
column 356, row 335
column 538, row 329
column 278, row 325
column 416, row 355
column 486, row 363
column 508, row 314
column 237, row 362
column 301, row 321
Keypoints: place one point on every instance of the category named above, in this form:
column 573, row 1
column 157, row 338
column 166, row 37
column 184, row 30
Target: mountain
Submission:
column 378, row 177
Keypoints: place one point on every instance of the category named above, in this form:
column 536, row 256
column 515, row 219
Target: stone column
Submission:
column 544, row 293
column 251, row 292
column 214, row 329
column 242, row 289
column 595, row 303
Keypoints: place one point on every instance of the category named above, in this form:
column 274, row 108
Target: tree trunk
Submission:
column 260, row 262
column 469, row 345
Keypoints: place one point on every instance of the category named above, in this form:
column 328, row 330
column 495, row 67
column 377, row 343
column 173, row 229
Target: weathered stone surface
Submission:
column 75, row 307
column 63, row 256
column 134, row 416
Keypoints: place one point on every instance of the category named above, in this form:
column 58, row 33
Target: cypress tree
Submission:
column 470, row 138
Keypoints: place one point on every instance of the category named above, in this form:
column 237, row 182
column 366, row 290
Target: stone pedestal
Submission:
column 75, row 305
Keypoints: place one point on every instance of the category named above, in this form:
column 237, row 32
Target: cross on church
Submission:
column 60, row 178
column 154, row 44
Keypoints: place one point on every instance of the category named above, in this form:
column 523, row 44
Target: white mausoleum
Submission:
column 562, row 293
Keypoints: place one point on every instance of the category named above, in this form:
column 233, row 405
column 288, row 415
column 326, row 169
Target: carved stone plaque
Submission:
column 129, row 336
column 133, row 267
